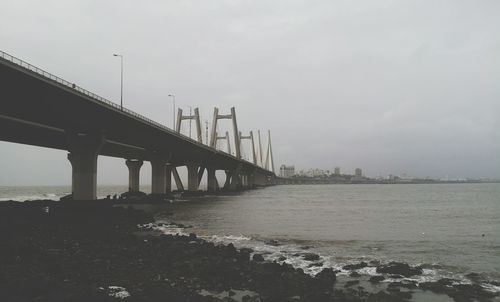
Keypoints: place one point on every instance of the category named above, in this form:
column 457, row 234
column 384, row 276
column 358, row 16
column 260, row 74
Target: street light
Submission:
column 121, row 81
column 173, row 97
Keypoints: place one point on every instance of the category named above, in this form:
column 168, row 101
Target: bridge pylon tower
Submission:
column 250, row 137
column 214, row 137
column 195, row 117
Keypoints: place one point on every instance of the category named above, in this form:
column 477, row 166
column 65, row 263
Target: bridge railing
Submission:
column 79, row 89
column 75, row 87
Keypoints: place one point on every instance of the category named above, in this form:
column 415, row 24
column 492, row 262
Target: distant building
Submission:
column 358, row 172
column 287, row 171
column 336, row 171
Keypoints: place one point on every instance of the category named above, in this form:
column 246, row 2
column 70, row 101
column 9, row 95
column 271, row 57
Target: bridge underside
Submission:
column 41, row 112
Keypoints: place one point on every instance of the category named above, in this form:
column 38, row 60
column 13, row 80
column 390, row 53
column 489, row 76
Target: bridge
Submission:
column 41, row 109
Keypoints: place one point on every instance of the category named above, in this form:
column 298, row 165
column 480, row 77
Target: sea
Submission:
column 451, row 230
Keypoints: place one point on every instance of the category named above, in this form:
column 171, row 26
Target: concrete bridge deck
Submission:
column 40, row 109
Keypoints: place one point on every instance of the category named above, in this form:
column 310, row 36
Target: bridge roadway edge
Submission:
column 46, row 112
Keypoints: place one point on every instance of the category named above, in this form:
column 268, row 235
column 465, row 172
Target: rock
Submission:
column 273, row 242
column 258, row 258
column 282, row 258
column 246, row 250
column 316, row 264
column 446, row 281
column 351, row 283
column 376, row 279
column 327, row 275
column 351, row 267
column 434, row 287
column 310, row 257
column 354, row 275
column 474, row 277
column 400, row 269
column 245, row 254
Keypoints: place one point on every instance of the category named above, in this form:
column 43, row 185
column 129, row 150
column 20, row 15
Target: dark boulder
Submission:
column 376, row 279
column 400, row 269
column 327, row 275
column 351, row 283
column 272, row 242
column 258, row 258
column 310, row 257
column 351, row 267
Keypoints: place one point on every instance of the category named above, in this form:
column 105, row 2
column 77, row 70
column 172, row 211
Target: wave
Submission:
column 294, row 252
column 45, row 196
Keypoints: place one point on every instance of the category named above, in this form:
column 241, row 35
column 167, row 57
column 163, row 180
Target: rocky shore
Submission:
column 95, row 251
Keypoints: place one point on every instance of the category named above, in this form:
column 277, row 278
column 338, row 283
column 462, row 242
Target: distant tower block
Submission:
column 287, row 171
column 358, row 172
column 336, row 171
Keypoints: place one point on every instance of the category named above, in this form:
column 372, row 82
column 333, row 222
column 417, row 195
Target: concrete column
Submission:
column 251, row 180
column 235, row 181
column 83, row 154
column 260, row 179
column 211, row 180
column 158, row 175
column 177, row 178
column 168, row 179
column 229, row 174
column 192, row 177
column 134, row 167
column 244, row 181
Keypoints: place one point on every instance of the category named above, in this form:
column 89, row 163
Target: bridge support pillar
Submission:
column 251, row 180
column 211, row 180
column 260, row 179
column 235, row 181
column 134, row 167
column 158, row 175
column 227, row 183
column 192, row 177
column 168, row 178
column 83, row 154
column 244, row 181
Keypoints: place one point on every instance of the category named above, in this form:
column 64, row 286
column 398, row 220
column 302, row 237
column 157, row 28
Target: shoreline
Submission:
column 60, row 251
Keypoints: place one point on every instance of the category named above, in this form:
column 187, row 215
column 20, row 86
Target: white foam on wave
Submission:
column 491, row 287
column 21, row 198
column 293, row 254
column 225, row 238
column 167, row 229
column 118, row 292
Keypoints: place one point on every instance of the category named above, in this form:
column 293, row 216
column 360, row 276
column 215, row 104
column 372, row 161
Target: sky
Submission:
column 389, row 86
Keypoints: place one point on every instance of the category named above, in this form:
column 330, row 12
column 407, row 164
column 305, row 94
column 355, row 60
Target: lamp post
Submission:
column 121, row 79
column 173, row 98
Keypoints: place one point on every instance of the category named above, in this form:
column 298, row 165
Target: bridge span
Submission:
column 40, row 109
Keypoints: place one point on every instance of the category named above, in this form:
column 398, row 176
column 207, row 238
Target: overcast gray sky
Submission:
column 390, row 86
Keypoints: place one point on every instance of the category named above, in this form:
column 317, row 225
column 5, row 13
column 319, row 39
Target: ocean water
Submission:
column 23, row 193
column 450, row 229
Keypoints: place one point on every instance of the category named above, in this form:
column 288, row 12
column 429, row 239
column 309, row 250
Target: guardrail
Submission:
column 94, row 96
column 77, row 88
